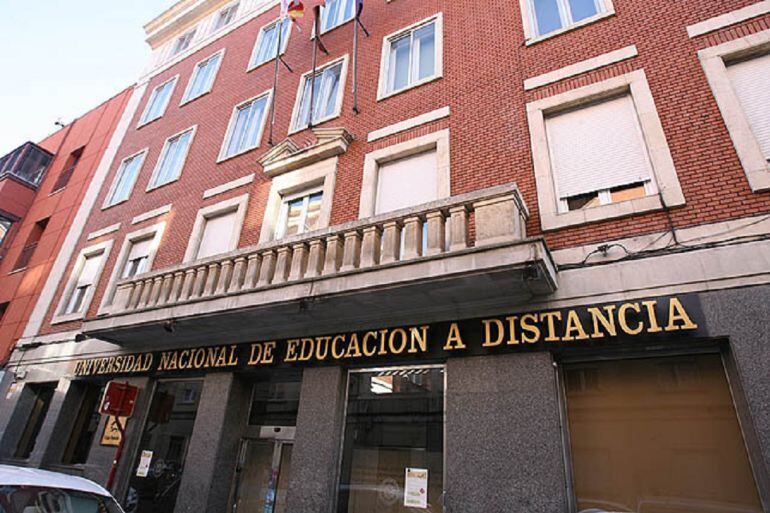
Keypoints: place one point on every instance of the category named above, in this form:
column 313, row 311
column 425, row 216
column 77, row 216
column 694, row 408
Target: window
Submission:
column 183, row 42
column 85, row 281
column 217, row 233
column 39, row 401
column 598, row 154
column 336, row 12
column 5, row 227
column 124, row 179
column 138, row 256
column 244, row 132
column 737, row 72
column 751, row 81
column 299, row 214
column 69, row 168
column 225, row 17
column 411, row 57
column 267, row 43
column 217, row 228
column 202, row 78
column 158, row 101
column 80, row 287
column 85, row 426
column 31, row 245
column 171, row 159
column 394, row 422
column 547, row 16
column 327, row 97
column 626, row 456
column 407, row 182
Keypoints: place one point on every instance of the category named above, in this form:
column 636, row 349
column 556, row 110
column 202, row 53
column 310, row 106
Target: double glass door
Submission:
column 263, row 471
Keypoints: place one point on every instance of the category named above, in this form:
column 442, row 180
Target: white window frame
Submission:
column 714, row 61
column 339, row 24
column 238, row 204
column 154, row 232
column 231, row 125
column 530, row 22
column 340, row 94
column 101, row 250
column 142, row 120
column 284, row 44
column 162, row 156
column 320, row 175
column 438, row 72
column 142, row 154
column 280, row 227
column 191, row 33
column 218, row 16
column 196, row 68
column 438, row 141
column 663, row 171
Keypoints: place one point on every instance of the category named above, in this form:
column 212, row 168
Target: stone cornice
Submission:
column 287, row 156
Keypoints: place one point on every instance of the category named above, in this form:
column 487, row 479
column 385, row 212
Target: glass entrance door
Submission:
column 262, row 475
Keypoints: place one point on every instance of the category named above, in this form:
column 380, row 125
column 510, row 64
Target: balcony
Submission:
column 26, row 164
column 450, row 258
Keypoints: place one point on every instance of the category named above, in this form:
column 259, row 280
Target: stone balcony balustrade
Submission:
column 436, row 240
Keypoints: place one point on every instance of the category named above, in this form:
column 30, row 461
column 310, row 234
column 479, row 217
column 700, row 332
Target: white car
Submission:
column 31, row 490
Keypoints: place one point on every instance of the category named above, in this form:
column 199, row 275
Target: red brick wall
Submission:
column 485, row 64
column 22, row 288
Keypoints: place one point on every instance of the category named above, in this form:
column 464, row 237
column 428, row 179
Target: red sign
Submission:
column 119, row 399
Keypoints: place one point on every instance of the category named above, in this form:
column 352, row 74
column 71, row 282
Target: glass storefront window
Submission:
column 85, row 426
column 394, row 422
column 656, row 435
column 275, row 401
column 42, row 394
column 153, row 487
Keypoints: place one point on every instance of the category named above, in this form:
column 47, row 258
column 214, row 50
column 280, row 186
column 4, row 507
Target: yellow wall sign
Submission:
column 111, row 434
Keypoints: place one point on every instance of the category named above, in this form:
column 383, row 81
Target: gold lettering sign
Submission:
column 629, row 319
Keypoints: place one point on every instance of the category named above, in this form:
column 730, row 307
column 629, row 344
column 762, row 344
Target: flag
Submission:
column 295, row 9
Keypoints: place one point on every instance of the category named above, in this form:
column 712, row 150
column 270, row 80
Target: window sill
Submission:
column 76, row 316
column 582, row 23
column 419, row 83
column 154, row 187
column 190, row 100
column 106, row 206
column 57, row 191
column 251, row 67
column 554, row 221
column 324, row 32
column 143, row 124
column 220, row 160
column 17, row 271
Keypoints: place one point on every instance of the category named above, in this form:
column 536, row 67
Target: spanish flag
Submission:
column 294, row 9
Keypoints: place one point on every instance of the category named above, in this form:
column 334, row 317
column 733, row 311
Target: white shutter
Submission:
column 597, row 147
column 88, row 272
column 407, row 182
column 751, row 82
column 217, row 234
column 139, row 249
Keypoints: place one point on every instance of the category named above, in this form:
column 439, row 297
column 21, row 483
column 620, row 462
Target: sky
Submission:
column 61, row 58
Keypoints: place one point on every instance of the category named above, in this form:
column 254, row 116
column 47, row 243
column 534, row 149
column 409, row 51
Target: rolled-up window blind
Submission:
column 599, row 146
column 217, row 235
column 407, row 182
column 751, row 82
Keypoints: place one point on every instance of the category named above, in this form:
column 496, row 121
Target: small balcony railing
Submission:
column 440, row 228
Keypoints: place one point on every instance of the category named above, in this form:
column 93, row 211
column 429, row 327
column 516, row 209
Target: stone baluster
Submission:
column 333, row 257
column 176, row 287
column 188, row 286
column 253, row 263
column 458, row 228
column 412, row 238
column 315, row 259
column 436, row 233
column 282, row 264
column 370, row 249
column 299, row 254
column 225, row 275
column 136, row 295
column 239, row 275
column 123, row 296
column 211, row 279
column 165, row 288
column 267, row 269
column 157, row 285
column 391, row 242
column 200, row 282
column 146, row 291
column 351, row 256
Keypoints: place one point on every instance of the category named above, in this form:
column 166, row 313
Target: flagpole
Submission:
column 275, row 82
column 316, row 35
column 355, row 63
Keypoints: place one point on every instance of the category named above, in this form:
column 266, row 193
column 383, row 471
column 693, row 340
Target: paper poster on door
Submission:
column 416, row 488
column 144, row 464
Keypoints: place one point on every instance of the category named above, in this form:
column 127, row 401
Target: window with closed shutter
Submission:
column 85, row 281
column 217, row 235
column 407, row 182
column 597, row 147
column 751, row 81
column 136, row 263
